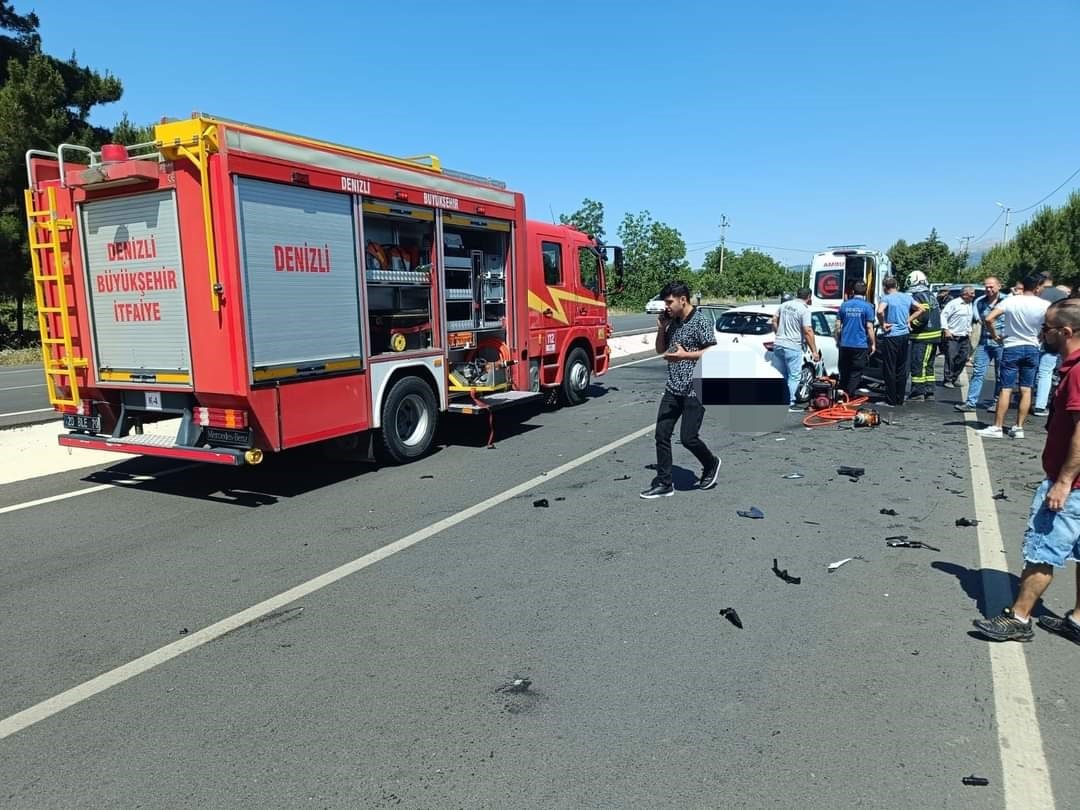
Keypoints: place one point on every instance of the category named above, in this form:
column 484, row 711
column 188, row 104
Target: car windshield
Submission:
column 744, row 323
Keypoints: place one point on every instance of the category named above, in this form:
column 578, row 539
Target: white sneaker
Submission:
column 1016, row 432
column 992, row 432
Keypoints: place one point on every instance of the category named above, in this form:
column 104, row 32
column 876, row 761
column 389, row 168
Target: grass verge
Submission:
column 20, row 357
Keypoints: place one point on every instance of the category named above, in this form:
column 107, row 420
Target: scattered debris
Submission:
column 541, row 504
column 910, row 544
column 892, row 512
column 955, row 474
column 184, row 631
column 516, row 686
column 896, row 537
column 427, row 476
column 811, row 523
column 793, row 476
column 852, row 472
column 754, row 513
column 732, row 616
column 833, row 566
column 1001, row 496
column 560, row 498
column 966, row 522
column 623, row 478
column 782, row 439
column 784, row 575
column 975, row 781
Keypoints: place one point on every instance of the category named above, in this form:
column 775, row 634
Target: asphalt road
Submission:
column 382, row 689
column 23, row 397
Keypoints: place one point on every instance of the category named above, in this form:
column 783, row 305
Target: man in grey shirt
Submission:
column 793, row 327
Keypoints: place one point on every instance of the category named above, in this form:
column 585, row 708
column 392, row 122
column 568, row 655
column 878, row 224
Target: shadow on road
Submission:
column 298, row 471
column 999, row 582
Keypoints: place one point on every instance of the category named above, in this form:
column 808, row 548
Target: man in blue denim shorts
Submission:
column 1023, row 316
column 1053, row 531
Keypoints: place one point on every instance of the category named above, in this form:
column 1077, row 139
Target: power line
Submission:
column 992, row 224
column 1048, row 196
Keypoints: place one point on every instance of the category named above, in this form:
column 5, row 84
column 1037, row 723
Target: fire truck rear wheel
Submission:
column 576, row 377
column 409, row 417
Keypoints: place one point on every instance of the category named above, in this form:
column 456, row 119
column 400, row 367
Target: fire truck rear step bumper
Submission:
column 148, row 445
column 493, row 402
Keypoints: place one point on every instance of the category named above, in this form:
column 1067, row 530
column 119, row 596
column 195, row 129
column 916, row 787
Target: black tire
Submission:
column 806, row 380
column 410, row 415
column 577, row 376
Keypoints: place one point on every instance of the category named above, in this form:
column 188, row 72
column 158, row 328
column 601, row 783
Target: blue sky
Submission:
column 806, row 123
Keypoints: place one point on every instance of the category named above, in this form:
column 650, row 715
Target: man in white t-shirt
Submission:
column 1023, row 316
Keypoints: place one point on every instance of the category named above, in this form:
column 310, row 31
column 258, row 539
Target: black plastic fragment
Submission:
column 541, row 504
column 623, row 478
column 783, row 574
column 753, row 513
column 905, row 543
column 732, row 616
column 1000, row 495
column 892, row 512
column 427, row 476
column 966, row 522
column 854, row 472
column 975, row 781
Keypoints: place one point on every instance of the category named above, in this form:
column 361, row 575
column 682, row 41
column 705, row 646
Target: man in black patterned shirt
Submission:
column 683, row 333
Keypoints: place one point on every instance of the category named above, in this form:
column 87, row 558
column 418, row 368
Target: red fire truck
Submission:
column 268, row 291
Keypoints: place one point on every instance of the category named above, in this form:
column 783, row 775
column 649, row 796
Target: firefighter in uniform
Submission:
column 925, row 338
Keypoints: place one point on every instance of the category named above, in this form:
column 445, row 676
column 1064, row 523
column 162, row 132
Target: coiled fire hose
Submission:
column 848, row 410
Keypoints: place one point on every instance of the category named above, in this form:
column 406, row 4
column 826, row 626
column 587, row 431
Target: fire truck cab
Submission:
column 268, row 291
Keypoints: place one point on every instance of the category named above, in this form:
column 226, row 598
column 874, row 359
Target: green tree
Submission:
column 128, row 133
column 44, row 101
column 931, row 255
column 589, row 218
column 654, row 254
column 747, row 274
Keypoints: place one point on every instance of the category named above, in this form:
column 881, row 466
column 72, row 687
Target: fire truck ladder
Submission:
column 54, row 316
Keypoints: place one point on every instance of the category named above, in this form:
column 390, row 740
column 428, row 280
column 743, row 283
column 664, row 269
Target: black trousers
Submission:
column 957, row 352
column 895, row 366
column 691, row 410
column 852, row 362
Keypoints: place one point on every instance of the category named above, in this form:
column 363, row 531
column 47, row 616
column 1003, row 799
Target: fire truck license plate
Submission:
column 74, row 421
column 153, row 400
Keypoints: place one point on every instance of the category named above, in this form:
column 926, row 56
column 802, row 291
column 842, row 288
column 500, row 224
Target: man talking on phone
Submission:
column 683, row 333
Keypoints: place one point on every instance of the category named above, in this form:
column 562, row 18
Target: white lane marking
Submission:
column 635, row 362
column 124, row 480
column 1023, row 763
column 86, row 690
column 29, row 370
column 24, row 413
column 21, row 387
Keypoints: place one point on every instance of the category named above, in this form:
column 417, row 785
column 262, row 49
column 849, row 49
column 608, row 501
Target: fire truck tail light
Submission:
column 221, row 417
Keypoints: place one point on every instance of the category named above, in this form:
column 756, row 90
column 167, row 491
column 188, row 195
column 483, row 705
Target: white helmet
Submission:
column 916, row 277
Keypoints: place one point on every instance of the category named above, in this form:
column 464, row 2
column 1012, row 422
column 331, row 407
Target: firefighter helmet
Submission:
column 916, row 277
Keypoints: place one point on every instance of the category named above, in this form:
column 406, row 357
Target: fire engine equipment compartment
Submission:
column 399, row 243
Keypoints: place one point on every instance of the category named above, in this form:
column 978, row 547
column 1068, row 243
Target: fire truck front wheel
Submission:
column 409, row 417
column 576, row 377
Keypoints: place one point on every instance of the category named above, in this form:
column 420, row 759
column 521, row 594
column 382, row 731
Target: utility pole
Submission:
column 723, row 227
column 964, row 254
column 1005, row 234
